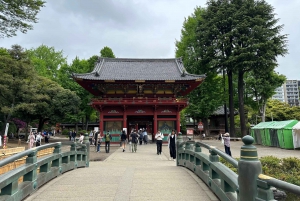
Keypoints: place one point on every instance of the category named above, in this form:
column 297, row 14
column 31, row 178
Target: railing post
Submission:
column 32, row 175
column 87, row 149
column 249, row 167
column 179, row 140
column 57, row 162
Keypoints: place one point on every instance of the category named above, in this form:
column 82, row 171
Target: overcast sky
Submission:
column 135, row 28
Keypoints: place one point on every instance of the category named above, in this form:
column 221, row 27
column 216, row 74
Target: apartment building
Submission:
column 288, row 92
column 292, row 92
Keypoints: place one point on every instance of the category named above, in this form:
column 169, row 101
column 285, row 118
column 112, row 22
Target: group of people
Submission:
column 37, row 139
column 171, row 143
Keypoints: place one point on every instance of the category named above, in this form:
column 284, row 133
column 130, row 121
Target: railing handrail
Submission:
column 280, row 184
column 20, row 182
column 248, row 185
column 25, row 153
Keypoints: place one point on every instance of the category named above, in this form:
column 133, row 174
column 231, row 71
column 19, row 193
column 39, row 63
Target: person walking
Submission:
column 123, row 140
column 107, row 141
column 91, row 135
column 81, row 138
column 73, row 135
column 159, row 138
column 172, row 144
column 145, row 134
column 140, row 136
column 99, row 141
column 134, row 140
column 70, row 135
column 47, row 136
column 38, row 140
column 31, row 140
column 226, row 138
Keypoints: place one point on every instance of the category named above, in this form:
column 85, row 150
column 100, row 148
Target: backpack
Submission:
column 134, row 137
column 107, row 137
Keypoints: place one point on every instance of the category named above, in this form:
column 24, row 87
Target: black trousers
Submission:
column 227, row 150
column 173, row 151
column 107, row 145
column 159, row 146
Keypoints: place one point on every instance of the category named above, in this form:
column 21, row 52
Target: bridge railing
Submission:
column 248, row 185
column 38, row 171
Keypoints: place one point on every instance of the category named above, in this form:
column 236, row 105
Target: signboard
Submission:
column 200, row 126
column 190, row 131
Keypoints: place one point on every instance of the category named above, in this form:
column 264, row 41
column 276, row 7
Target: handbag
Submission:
column 222, row 141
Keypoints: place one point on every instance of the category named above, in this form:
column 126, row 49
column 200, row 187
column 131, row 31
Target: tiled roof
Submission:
column 138, row 69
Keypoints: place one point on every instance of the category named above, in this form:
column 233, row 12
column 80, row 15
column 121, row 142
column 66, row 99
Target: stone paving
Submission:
column 143, row 175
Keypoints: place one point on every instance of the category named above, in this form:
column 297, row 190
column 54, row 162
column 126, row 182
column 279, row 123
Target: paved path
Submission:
column 128, row 176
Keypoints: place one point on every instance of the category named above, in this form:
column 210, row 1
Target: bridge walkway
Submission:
column 123, row 176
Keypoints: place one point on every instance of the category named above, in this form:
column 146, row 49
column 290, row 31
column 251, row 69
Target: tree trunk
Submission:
column 86, row 122
column 263, row 114
column 225, row 104
column 41, row 124
column 206, row 127
column 241, row 102
column 231, row 103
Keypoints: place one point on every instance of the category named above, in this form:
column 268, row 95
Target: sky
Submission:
column 135, row 28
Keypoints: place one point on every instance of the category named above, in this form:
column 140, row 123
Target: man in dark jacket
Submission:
column 123, row 140
column 134, row 138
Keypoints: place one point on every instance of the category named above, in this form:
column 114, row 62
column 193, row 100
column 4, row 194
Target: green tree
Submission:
column 201, row 103
column 47, row 61
column 280, row 111
column 107, row 52
column 261, row 87
column 18, row 15
column 50, row 103
column 239, row 36
column 15, row 70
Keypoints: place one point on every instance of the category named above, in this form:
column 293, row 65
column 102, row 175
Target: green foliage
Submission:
column 16, row 74
column 227, row 164
column 183, row 121
column 281, row 111
column 201, row 103
column 65, row 132
column 47, row 61
column 285, row 169
column 18, row 15
column 107, row 52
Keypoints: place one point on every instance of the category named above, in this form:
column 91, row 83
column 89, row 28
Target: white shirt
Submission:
column 159, row 136
column 81, row 139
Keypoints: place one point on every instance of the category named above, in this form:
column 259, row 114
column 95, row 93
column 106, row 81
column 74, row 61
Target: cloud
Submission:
column 135, row 28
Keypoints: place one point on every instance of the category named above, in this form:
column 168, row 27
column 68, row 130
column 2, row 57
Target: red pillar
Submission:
column 154, row 124
column 125, row 121
column 101, row 123
column 178, row 121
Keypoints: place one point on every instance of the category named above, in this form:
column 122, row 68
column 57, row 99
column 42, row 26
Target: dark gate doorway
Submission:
column 140, row 122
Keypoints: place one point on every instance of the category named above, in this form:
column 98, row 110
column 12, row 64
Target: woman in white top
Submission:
column 81, row 138
column 159, row 138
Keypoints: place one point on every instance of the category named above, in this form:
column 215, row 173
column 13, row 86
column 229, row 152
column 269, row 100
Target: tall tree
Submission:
column 15, row 70
column 240, row 36
column 18, row 15
column 107, row 52
column 47, row 61
column 202, row 104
